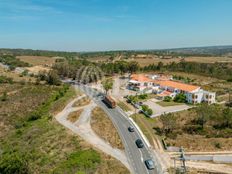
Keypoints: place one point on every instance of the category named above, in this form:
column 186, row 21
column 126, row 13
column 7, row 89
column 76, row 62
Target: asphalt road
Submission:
column 136, row 156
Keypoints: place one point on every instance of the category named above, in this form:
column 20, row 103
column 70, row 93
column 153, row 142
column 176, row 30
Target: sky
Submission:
column 97, row 25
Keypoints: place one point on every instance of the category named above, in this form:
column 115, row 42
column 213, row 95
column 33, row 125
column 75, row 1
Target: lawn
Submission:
column 166, row 104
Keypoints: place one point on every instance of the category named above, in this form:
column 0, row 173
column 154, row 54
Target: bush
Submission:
column 4, row 79
column 180, row 98
column 217, row 145
column 149, row 112
column 143, row 96
column 4, row 97
column 145, row 108
column 13, row 162
column 167, row 99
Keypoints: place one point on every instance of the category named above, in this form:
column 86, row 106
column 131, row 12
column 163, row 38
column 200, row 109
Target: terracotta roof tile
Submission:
column 177, row 85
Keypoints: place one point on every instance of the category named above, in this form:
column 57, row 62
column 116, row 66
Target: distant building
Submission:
column 164, row 86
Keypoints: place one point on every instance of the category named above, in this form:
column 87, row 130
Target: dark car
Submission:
column 150, row 164
column 131, row 129
column 139, row 143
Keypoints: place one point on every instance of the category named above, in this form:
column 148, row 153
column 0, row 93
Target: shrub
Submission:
column 4, row 97
column 13, row 162
column 145, row 108
column 4, row 79
column 143, row 96
column 180, row 98
column 217, row 145
column 167, row 99
column 149, row 112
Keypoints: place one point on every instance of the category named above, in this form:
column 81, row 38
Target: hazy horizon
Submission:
column 101, row 25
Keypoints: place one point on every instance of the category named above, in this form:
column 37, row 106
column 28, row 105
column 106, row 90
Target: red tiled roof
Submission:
column 177, row 85
column 164, row 94
column 140, row 78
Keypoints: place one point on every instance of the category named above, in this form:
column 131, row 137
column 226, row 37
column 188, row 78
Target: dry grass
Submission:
column 124, row 106
column 37, row 60
column 82, row 102
column 103, row 127
column 16, row 77
column 38, row 68
column 208, row 59
column 194, row 142
column 200, row 143
column 74, row 116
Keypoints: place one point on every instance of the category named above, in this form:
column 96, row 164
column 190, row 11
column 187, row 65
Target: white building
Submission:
column 194, row 94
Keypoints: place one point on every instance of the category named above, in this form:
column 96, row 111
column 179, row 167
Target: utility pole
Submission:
column 182, row 158
column 182, row 169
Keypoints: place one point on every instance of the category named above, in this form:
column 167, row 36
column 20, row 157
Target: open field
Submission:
column 37, row 60
column 145, row 60
column 16, row 77
column 103, row 126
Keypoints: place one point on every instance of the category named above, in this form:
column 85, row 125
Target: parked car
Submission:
column 139, row 143
column 150, row 164
column 140, row 103
column 131, row 129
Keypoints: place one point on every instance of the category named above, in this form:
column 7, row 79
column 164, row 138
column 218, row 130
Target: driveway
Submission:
column 159, row 110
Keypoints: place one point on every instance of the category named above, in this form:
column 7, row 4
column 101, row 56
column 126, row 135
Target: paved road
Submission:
column 83, row 129
column 135, row 156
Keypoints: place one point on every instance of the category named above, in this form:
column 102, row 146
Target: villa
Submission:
column 164, row 86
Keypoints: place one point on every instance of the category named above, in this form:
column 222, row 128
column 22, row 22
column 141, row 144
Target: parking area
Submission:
column 159, row 110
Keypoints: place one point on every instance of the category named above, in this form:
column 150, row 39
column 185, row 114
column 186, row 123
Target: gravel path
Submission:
column 83, row 129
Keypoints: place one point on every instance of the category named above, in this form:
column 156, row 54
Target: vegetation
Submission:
column 180, row 98
column 107, row 84
column 103, row 126
column 217, row 70
column 12, row 62
column 147, row 110
column 4, row 79
column 167, row 99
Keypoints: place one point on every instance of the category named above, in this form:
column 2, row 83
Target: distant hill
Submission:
column 192, row 51
column 213, row 50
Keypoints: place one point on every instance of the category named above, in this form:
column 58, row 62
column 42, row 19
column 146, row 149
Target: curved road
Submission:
column 135, row 156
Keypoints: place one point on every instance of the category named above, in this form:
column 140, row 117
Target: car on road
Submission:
column 150, row 164
column 139, row 143
column 131, row 129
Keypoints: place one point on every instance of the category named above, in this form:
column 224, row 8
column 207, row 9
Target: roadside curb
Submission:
column 140, row 132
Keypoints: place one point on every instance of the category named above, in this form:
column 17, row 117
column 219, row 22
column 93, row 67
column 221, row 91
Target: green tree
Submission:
column 203, row 114
column 133, row 67
column 53, row 78
column 149, row 112
column 227, row 117
column 107, row 84
column 180, row 98
column 167, row 99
